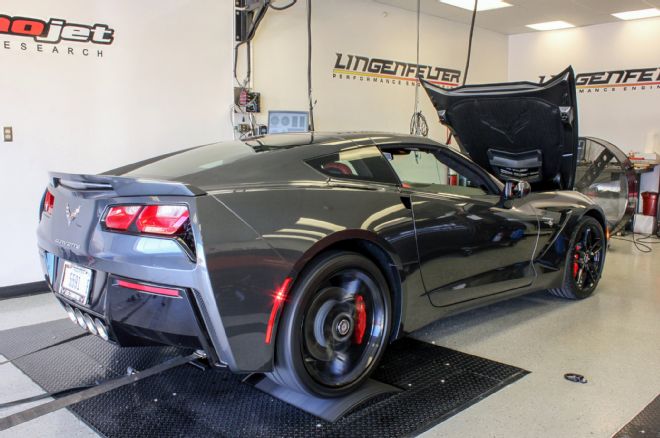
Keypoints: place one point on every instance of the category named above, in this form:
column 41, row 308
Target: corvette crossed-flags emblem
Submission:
column 71, row 215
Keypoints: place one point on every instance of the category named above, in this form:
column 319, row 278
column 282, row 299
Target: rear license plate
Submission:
column 76, row 282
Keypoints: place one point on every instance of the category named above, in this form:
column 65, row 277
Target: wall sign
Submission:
column 387, row 71
column 47, row 37
column 634, row 79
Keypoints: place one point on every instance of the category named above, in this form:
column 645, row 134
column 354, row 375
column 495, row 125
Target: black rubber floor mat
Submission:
column 646, row 424
column 19, row 341
column 186, row 401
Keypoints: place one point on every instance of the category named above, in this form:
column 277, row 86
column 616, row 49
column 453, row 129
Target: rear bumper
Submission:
column 137, row 317
column 227, row 287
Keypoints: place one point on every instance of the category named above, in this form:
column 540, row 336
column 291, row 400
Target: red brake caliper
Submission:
column 576, row 267
column 360, row 319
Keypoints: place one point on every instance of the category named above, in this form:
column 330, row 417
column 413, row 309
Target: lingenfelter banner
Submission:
column 349, row 66
column 621, row 80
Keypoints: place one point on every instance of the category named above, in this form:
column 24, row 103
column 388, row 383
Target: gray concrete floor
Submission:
column 613, row 338
column 15, row 385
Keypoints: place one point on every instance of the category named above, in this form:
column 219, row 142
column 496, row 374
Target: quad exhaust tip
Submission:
column 80, row 318
column 70, row 313
column 91, row 327
column 94, row 326
column 101, row 329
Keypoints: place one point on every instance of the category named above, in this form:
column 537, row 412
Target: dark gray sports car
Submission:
column 303, row 256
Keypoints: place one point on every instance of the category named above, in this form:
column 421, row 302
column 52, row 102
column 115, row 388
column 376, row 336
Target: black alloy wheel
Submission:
column 586, row 257
column 334, row 330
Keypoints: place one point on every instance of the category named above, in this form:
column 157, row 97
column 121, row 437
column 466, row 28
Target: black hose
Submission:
column 418, row 125
column 309, row 65
column 248, row 75
column 642, row 244
column 281, row 8
column 469, row 52
column 260, row 16
column 236, row 61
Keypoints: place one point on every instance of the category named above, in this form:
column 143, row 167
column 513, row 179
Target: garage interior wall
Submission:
column 166, row 83
column 627, row 117
column 163, row 84
column 363, row 28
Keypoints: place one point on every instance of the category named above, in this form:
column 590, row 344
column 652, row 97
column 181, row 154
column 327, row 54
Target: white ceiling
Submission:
column 513, row 19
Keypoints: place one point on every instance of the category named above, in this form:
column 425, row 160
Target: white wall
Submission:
column 363, row 27
column 628, row 118
column 164, row 84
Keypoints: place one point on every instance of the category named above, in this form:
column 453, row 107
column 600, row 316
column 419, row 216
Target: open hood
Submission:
column 516, row 130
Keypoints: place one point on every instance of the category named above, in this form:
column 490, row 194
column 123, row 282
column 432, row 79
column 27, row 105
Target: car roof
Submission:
column 335, row 141
column 263, row 160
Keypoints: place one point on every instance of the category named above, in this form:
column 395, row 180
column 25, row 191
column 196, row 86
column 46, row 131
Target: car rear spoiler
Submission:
column 122, row 186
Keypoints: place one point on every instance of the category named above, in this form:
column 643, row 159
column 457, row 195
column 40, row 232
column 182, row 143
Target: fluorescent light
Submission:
column 636, row 15
column 483, row 5
column 550, row 25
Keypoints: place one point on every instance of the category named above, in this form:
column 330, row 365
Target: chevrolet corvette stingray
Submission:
column 303, row 255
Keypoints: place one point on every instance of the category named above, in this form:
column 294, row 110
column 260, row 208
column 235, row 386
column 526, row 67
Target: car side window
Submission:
column 431, row 172
column 366, row 164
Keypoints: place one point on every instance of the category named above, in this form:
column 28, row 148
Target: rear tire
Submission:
column 335, row 326
column 584, row 261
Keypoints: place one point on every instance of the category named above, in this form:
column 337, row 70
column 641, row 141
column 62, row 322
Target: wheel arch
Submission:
column 566, row 288
column 371, row 246
column 600, row 217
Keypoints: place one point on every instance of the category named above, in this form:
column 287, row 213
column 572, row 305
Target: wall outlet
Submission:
column 8, row 132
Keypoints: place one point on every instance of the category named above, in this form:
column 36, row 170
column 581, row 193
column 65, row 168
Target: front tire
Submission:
column 335, row 327
column 584, row 262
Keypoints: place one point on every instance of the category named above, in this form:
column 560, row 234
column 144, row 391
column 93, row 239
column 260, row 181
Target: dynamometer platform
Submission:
column 433, row 383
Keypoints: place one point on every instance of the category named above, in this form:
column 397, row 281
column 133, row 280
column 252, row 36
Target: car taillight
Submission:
column 156, row 220
column 162, row 219
column 49, row 202
column 166, row 220
column 121, row 217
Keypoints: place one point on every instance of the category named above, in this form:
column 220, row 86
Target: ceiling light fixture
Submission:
column 550, row 25
column 636, row 15
column 483, row 5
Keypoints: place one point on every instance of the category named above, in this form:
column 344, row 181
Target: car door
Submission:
column 469, row 244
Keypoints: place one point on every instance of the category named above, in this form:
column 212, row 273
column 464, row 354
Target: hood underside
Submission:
column 517, row 130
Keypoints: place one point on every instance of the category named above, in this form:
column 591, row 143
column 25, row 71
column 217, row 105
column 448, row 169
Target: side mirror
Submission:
column 514, row 189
